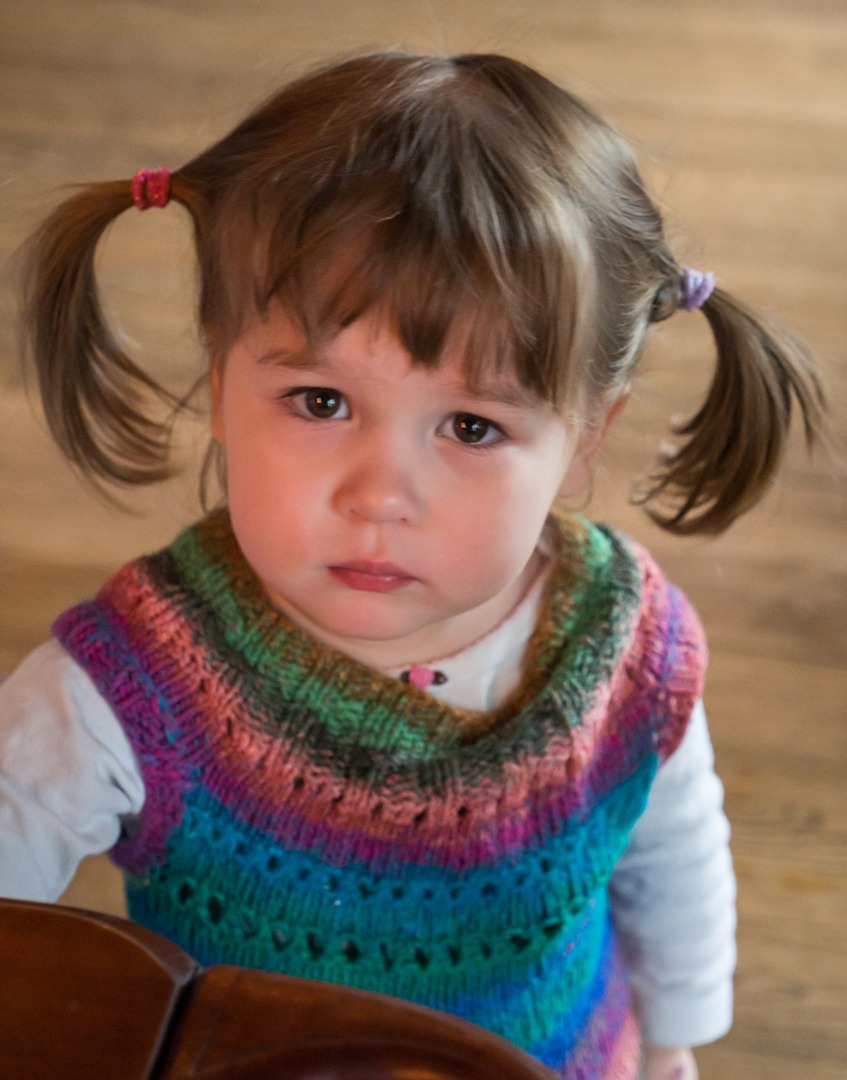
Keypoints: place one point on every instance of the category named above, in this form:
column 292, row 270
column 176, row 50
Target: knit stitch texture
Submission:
column 306, row 814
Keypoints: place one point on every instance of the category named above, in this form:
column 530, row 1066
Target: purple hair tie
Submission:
column 697, row 287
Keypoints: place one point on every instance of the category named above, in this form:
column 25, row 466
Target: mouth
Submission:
column 369, row 576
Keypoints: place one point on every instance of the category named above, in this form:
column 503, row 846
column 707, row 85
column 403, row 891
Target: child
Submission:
column 389, row 719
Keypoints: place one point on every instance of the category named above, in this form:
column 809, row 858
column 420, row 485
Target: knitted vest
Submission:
column 306, row 814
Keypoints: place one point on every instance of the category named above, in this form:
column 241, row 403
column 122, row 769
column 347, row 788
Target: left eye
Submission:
column 319, row 402
column 474, row 430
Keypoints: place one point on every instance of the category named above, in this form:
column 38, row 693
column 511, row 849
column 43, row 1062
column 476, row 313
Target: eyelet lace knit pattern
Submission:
column 309, row 815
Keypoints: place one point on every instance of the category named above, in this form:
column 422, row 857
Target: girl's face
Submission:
column 386, row 508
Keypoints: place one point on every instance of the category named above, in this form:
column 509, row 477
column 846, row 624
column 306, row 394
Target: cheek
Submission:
column 518, row 512
column 268, row 503
column 262, row 487
column 492, row 532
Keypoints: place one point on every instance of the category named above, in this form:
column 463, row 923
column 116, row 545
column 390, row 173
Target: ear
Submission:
column 579, row 475
column 216, row 424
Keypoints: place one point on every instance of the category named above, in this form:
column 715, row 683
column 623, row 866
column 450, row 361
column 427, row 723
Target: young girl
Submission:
column 388, row 718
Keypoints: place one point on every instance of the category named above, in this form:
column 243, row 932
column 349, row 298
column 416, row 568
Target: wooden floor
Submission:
column 738, row 109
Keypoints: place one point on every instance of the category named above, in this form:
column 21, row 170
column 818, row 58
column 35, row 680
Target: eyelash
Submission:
column 296, row 398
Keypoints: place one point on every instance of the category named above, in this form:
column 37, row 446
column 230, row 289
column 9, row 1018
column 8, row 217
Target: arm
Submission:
column 67, row 775
column 673, row 902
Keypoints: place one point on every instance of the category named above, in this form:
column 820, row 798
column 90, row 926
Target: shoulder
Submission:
column 49, row 677
column 54, row 722
column 68, row 776
column 621, row 600
column 667, row 621
column 663, row 606
column 599, row 566
column 146, row 593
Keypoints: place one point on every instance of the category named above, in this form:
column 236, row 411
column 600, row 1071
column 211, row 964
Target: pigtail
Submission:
column 95, row 398
column 732, row 447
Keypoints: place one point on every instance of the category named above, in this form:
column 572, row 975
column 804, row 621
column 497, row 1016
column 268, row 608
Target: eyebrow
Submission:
column 507, row 395
column 307, row 358
column 293, row 358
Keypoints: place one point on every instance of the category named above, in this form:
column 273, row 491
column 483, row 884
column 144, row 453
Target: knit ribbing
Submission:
column 306, row 814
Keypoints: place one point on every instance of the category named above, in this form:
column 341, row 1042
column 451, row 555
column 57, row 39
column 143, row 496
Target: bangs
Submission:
column 379, row 259
column 509, row 307
column 441, row 219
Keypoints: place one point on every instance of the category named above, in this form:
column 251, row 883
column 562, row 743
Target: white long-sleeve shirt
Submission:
column 68, row 778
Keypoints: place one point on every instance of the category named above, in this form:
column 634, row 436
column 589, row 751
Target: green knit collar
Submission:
column 585, row 619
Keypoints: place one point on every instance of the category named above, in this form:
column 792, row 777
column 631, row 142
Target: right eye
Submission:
column 318, row 402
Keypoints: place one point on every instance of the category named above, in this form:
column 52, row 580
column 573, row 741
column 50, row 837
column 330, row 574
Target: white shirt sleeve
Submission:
column 673, row 900
column 68, row 775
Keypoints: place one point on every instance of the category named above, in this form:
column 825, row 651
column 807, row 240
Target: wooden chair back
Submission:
column 88, row 996
column 84, row 995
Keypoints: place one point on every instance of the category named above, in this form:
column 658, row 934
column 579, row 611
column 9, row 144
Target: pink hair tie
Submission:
column 151, row 187
column 697, row 287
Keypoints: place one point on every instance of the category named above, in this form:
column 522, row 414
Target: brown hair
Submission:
column 455, row 191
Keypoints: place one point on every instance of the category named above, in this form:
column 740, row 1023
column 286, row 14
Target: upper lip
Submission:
column 377, row 569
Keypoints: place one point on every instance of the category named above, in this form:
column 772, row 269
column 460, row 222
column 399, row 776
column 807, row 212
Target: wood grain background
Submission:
column 737, row 110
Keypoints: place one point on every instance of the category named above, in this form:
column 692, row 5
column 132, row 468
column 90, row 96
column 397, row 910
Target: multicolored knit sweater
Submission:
column 306, row 814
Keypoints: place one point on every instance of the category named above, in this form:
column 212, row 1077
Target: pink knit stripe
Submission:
column 624, row 1063
column 682, row 680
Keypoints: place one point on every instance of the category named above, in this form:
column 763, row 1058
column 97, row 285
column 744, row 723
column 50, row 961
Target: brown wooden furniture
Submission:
column 90, row 996
column 81, row 994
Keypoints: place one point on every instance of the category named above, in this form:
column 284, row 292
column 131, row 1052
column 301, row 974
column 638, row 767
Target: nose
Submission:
column 380, row 483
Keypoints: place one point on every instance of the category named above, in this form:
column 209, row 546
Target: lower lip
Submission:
column 366, row 582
